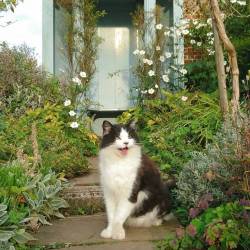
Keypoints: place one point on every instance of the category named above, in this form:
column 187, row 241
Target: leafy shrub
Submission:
column 218, row 171
column 238, row 29
column 26, row 201
column 202, row 76
column 23, row 85
column 11, row 234
column 224, row 227
column 61, row 148
column 171, row 128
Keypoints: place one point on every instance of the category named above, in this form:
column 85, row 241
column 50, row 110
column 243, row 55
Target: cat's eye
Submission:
column 118, row 137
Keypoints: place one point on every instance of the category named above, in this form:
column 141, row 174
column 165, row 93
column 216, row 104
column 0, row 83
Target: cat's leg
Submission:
column 110, row 205
column 123, row 211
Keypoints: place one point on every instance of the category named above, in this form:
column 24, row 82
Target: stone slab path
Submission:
column 83, row 232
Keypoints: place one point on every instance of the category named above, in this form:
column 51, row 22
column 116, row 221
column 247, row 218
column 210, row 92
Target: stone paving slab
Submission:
column 92, row 178
column 142, row 245
column 80, row 230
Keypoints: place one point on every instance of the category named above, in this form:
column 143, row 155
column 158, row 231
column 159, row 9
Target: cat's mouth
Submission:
column 124, row 150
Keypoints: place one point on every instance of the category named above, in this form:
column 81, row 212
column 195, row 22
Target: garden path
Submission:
column 82, row 232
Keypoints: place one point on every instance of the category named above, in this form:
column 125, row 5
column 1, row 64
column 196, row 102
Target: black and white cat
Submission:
column 133, row 191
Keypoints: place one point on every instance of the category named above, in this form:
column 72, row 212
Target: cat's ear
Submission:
column 132, row 124
column 106, row 126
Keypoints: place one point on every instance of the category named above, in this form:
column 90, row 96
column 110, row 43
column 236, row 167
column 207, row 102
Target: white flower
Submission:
column 227, row 69
column 168, row 54
column 198, row 26
column 210, row 33
column 233, row 1
column 242, row 3
column 156, row 86
column 192, row 41
column 185, row 32
column 183, row 71
column 165, row 78
column 136, row 52
column 184, row 98
column 211, row 42
column 83, row 74
column 209, row 21
column 151, row 73
column 162, row 58
column 150, row 62
column 225, row 63
column 142, row 52
column 247, row 77
column 74, row 125
column 151, row 91
column 158, row 26
column 167, row 33
column 199, row 44
column 72, row 113
column 77, row 80
column 195, row 22
column 67, row 103
column 158, row 47
column 211, row 52
column 147, row 61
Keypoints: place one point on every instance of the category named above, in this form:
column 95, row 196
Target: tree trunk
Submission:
column 219, row 58
column 216, row 13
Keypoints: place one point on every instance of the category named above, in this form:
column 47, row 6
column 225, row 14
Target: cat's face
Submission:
column 120, row 137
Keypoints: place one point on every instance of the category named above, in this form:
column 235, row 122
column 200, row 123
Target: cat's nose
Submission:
column 126, row 143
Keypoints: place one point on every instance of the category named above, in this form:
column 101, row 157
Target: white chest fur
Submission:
column 118, row 173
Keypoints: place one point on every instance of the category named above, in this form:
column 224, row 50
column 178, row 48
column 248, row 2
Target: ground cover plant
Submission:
column 28, row 199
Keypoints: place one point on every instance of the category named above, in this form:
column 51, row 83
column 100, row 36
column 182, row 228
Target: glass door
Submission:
column 112, row 84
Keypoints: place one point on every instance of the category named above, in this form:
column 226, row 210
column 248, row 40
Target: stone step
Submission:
column 84, row 191
column 83, row 232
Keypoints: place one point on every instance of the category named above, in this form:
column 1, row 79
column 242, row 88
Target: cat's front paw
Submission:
column 118, row 234
column 106, row 233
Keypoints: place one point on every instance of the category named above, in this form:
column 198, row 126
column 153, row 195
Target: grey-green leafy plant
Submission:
column 218, row 171
column 44, row 201
column 11, row 234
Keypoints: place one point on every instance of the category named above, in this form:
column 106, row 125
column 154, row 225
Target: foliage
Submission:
column 175, row 126
column 157, row 67
column 217, row 172
column 27, row 201
column 61, row 148
column 202, row 76
column 11, row 234
column 22, row 83
column 224, row 227
column 201, row 39
column 44, row 201
column 237, row 27
column 9, row 4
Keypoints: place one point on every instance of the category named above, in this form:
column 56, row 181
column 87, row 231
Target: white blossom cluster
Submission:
column 78, row 80
column 164, row 57
column 72, row 113
column 200, row 25
column 242, row 3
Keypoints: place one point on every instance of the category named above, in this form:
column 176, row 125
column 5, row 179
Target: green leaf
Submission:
column 6, row 235
column 23, row 237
